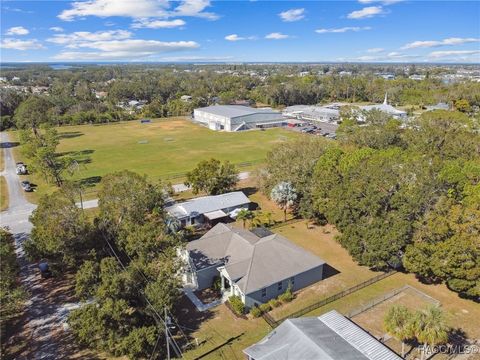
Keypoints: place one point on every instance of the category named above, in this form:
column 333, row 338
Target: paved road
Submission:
column 41, row 326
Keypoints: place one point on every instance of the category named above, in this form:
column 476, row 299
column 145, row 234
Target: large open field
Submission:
column 160, row 149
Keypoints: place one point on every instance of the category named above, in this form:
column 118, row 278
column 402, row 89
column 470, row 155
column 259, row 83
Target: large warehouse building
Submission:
column 237, row 117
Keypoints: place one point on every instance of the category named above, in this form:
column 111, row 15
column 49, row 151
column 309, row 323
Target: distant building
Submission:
column 330, row 336
column 312, row 113
column 439, row 106
column 388, row 109
column 237, row 117
column 417, row 77
column 256, row 266
column 208, row 209
column 186, row 98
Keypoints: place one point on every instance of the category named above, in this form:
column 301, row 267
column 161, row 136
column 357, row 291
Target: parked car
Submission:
column 21, row 168
column 44, row 269
column 26, row 186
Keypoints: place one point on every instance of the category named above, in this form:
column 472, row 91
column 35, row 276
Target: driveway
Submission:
column 39, row 332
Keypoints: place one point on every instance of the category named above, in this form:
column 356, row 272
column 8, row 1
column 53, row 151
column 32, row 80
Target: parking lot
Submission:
column 314, row 128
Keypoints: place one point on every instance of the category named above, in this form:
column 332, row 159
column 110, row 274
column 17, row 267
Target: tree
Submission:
column 430, row 327
column 463, row 105
column 32, row 113
column 284, row 194
column 213, row 177
column 61, row 233
column 244, row 215
column 12, row 295
column 41, row 149
column 398, row 323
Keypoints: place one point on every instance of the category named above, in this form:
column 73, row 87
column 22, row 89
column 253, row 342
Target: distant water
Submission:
column 60, row 66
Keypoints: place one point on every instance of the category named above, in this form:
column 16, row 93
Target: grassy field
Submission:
column 160, row 149
column 3, row 194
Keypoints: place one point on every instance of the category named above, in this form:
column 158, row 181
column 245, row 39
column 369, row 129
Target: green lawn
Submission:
column 3, row 194
column 160, row 149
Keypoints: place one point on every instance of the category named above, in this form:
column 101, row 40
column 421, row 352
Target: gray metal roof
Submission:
column 328, row 337
column 232, row 111
column 251, row 261
column 205, row 204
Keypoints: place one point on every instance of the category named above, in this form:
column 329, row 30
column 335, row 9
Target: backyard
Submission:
column 165, row 149
column 220, row 324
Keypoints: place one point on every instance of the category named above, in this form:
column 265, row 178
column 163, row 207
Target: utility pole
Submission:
column 167, row 338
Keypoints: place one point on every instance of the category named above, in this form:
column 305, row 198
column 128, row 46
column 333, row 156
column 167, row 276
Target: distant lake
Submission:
column 60, row 66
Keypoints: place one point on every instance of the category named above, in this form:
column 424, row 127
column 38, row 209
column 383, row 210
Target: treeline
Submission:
column 72, row 93
column 400, row 197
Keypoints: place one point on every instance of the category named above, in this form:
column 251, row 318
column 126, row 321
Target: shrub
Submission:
column 265, row 307
column 274, row 303
column 256, row 312
column 287, row 296
column 217, row 283
column 237, row 305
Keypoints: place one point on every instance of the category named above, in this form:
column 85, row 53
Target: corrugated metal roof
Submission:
column 205, row 204
column 232, row 111
column 328, row 337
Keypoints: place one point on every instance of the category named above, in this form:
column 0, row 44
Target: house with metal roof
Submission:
column 256, row 266
column 210, row 209
column 330, row 336
column 237, row 117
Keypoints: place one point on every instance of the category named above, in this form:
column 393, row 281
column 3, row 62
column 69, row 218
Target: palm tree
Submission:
column 398, row 323
column 430, row 328
column 245, row 215
column 257, row 219
column 284, row 194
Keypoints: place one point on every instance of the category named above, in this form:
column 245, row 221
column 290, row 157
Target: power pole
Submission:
column 167, row 338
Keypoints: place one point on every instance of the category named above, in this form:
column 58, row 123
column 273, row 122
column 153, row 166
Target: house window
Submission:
column 264, row 292
column 280, row 286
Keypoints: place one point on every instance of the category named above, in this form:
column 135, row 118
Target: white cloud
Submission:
column 436, row 43
column 393, row 56
column 276, row 36
column 56, row 29
column 366, row 12
column 375, row 50
column 17, row 44
column 136, row 9
column 17, row 30
column 82, row 38
column 342, row 30
column 456, row 53
column 292, row 15
column 157, row 24
column 125, row 49
column 235, row 37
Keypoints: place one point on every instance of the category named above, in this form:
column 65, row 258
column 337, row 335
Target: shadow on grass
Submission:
column 76, row 153
column 9, row 144
column 90, row 181
column 69, row 134
column 329, row 271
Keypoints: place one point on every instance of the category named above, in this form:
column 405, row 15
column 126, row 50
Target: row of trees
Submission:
column 399, row 196
column 126, row 260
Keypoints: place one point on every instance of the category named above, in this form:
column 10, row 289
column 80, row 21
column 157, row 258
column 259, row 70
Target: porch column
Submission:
column 223, row 282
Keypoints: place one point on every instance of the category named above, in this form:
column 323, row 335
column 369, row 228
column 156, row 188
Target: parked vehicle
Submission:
column 44, row 269
column 21, row 168
column 26, row 186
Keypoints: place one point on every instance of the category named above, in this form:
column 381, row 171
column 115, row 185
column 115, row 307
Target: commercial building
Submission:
column 237, row 117
column 312, row 113
column 330, row 336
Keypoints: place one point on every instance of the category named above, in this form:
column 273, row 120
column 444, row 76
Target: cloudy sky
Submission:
column 231, row 31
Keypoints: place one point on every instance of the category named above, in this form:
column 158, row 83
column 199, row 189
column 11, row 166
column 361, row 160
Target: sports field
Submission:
column 159, row 149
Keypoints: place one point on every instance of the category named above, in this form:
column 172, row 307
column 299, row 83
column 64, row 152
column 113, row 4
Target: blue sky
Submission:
column 235, row 31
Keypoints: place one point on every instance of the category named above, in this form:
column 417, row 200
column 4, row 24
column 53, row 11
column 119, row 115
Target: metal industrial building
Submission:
column 237, row 117
column 313, row 113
